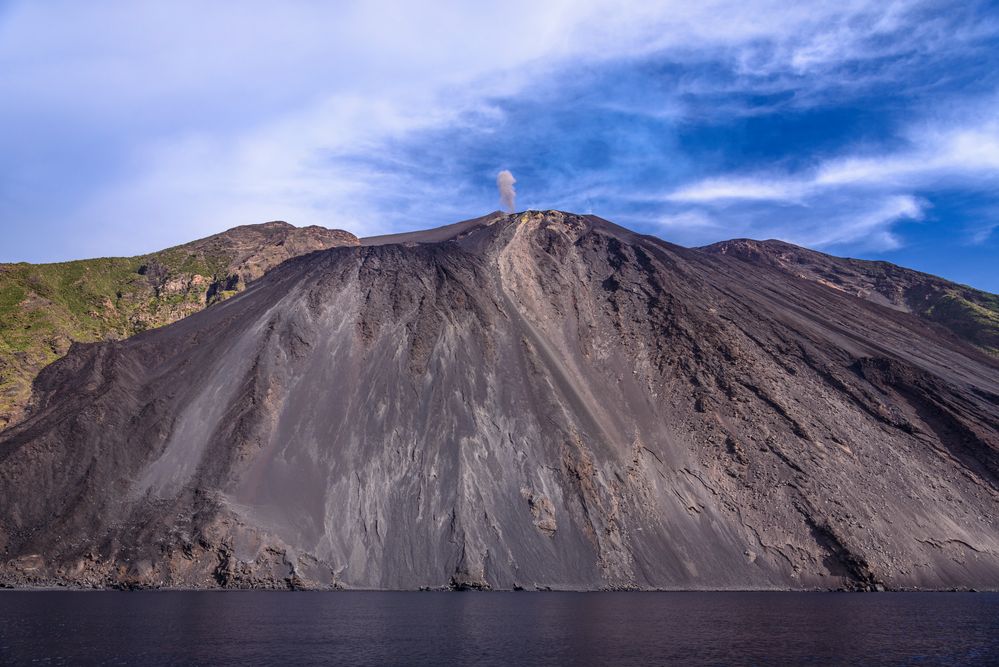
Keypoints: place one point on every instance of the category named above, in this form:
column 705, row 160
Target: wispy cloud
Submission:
column 937, row 155
column 694, row 120
column 871, row 227
column 740, row 187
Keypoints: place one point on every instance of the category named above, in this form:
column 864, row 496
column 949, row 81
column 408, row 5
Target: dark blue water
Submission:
column 251, row 628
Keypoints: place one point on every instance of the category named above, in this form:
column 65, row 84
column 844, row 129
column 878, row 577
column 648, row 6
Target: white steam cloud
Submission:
column 508, row 196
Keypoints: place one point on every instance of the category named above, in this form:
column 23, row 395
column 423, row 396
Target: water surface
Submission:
column 256, row 627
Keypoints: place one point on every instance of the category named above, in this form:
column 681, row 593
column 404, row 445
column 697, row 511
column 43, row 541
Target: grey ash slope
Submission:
column 971, row 315
column 541, row 400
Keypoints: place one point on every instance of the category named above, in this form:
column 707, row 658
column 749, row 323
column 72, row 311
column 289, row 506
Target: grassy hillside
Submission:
column 971, row 314
column 44, row 308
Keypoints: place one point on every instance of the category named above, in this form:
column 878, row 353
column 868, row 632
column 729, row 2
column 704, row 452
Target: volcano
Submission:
column 539, row 400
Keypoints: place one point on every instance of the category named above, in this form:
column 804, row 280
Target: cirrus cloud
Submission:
column 131, row 126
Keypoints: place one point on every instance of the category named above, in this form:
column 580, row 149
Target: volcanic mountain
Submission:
column 539, row 400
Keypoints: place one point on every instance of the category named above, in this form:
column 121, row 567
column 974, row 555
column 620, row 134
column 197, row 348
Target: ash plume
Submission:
column 508, row 195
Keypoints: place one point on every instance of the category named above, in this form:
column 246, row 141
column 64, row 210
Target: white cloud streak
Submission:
column 239, row 112
column 877, row 191
column 937, row 155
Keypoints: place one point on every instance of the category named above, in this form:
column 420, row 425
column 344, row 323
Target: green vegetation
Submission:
column 971, row 314
column 45, row 307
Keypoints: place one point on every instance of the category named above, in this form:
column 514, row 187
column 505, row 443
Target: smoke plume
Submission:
column 508, row 196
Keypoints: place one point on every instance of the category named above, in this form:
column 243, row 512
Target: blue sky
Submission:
column 868, row 129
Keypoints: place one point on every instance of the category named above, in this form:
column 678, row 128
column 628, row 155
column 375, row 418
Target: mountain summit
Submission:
column 537, row 400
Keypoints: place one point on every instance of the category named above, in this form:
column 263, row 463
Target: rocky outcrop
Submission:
column 535, row 401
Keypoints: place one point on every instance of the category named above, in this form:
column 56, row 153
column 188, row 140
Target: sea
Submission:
column 494, row 628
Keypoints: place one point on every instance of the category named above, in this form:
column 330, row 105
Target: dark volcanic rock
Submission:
column 968, row 313
column 539, row 400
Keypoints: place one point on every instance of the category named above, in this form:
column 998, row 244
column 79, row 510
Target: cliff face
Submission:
column 535, row 400
column 44, row 308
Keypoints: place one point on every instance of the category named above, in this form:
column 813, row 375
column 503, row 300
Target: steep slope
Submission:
column 535, row 400
column 45, row 307
column 970, row 314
